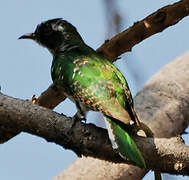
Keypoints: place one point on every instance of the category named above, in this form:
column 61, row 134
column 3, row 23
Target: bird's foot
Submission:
column 77, row 117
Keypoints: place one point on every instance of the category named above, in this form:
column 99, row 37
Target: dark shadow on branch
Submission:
column 87, row 139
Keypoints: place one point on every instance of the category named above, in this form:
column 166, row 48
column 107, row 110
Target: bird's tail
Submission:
column 123, row 143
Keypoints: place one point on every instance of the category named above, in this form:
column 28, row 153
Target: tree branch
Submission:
column 154, row 23
column 87, row 139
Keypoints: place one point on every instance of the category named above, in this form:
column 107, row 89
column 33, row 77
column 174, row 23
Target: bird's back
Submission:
column 95, row 82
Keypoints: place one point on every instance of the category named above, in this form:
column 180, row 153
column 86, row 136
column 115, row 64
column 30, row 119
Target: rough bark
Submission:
column 87, row 139
column 154, row 23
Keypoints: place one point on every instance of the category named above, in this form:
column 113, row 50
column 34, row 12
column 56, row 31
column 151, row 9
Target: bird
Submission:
column 92, row 82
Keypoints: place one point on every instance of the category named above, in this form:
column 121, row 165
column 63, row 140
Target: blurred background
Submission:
column 25, row 67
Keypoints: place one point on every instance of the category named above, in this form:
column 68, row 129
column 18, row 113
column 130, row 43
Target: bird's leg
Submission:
column 81, row 114
column 79, row 117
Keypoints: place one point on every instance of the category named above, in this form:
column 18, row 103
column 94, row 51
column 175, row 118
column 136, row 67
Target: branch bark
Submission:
column 87, row 139
column 154, row 23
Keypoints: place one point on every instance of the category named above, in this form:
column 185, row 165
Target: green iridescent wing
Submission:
column 100, row 86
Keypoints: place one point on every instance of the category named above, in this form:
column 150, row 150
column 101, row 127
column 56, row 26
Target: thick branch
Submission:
column 87, row 139
column 154, row 23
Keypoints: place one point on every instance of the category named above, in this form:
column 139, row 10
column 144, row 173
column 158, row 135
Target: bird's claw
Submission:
column 76, row 117
column 83, row 119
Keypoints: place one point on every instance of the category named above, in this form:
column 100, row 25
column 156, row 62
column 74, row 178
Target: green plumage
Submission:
column 125, row 145
column 91, row 81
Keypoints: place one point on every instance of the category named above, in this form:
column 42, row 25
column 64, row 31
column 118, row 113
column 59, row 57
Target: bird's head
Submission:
column 53, row 33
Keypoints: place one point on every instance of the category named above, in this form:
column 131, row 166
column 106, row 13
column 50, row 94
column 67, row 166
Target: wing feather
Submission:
column 100, row 86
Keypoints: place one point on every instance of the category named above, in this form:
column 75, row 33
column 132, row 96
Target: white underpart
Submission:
column 111, row 134
column 112, row 138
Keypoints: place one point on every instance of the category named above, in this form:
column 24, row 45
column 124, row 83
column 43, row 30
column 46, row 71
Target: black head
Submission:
column 53, row 33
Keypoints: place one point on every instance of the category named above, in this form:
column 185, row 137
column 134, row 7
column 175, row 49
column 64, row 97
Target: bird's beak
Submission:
column 28, row 36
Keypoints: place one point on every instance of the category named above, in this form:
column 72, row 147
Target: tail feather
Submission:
column 123, row 143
